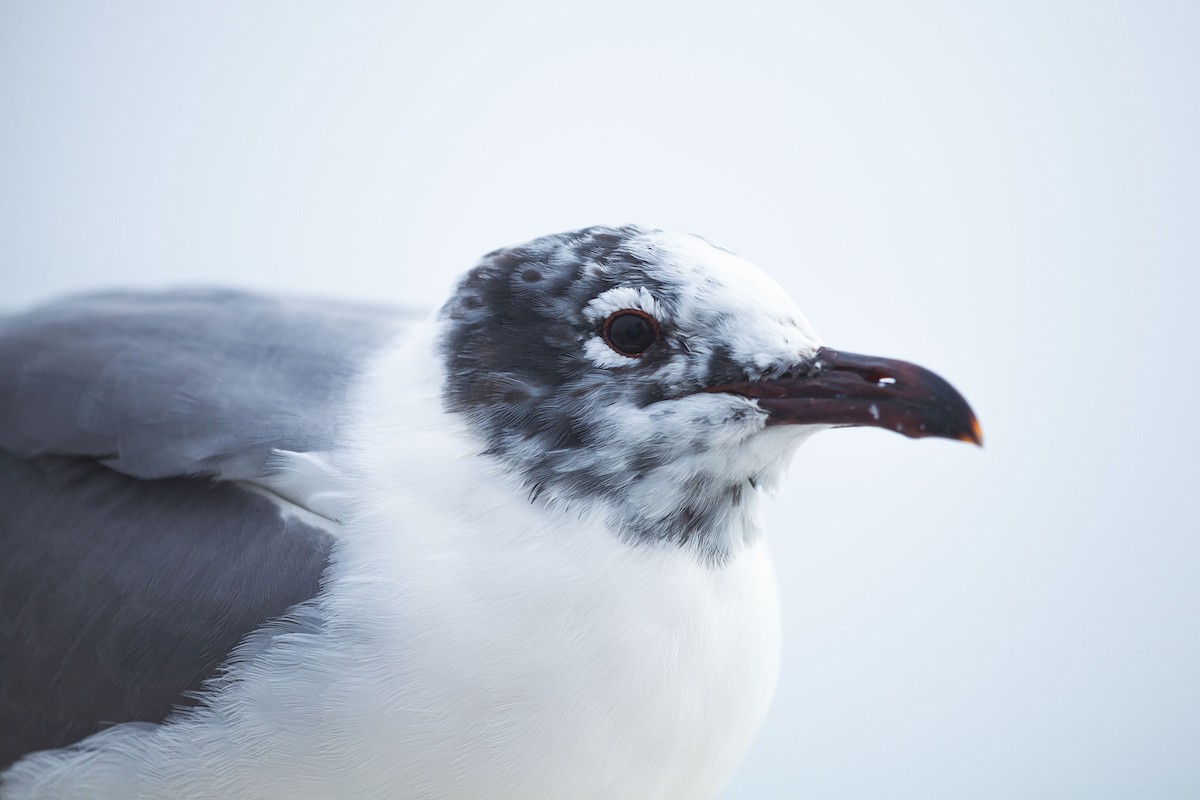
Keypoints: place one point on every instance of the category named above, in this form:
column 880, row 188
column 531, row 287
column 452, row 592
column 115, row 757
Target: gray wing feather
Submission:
column 121, row 595
column 184, row 382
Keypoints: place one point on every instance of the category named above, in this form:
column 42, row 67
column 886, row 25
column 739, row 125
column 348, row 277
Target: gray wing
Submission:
column 185, row 382
column 125, row 579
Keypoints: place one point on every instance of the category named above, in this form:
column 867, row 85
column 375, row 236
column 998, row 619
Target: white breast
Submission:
column 565, row 664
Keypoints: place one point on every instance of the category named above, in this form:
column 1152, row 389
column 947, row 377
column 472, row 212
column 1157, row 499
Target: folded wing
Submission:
column 135, row 552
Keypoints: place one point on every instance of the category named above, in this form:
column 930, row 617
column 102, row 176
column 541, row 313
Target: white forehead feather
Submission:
column 729, row 299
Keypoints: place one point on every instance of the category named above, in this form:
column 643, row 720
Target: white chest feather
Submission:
column 574, row 665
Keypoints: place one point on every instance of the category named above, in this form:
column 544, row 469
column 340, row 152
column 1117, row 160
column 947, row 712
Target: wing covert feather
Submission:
column 184, row 382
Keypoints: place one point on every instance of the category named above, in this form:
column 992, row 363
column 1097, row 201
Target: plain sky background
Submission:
column 1007, row 192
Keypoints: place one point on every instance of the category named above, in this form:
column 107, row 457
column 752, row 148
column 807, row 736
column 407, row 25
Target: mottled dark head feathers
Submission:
column 528, row 362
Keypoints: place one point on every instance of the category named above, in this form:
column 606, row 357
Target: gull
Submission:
column 260, row 547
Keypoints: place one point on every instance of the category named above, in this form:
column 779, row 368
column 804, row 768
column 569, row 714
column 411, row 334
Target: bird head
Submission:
column 661, row 377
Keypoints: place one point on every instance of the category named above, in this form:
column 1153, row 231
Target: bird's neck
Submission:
column 704, row 504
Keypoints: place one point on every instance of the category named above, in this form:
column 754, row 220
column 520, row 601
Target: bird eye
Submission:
column 630, row 332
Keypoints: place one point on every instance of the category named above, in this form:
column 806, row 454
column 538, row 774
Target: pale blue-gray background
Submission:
column 1006, row 192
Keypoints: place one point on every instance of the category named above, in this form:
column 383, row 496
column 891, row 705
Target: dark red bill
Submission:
column 839, row 388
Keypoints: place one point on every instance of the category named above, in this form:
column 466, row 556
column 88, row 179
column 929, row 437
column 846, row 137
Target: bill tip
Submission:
column 974, row 436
